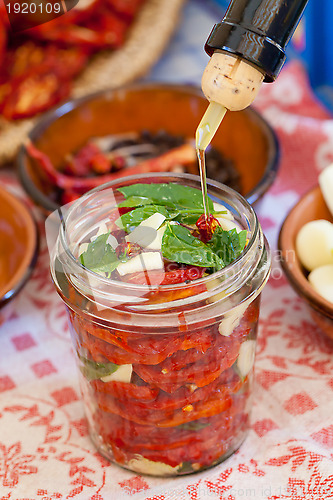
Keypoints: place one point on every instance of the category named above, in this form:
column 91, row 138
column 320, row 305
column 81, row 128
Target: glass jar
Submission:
column 181, row 400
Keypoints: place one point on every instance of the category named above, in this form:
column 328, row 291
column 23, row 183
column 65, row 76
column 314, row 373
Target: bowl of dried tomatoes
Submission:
column 140, row 129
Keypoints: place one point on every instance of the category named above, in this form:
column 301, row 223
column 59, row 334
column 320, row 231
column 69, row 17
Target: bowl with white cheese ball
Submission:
column 306, row 246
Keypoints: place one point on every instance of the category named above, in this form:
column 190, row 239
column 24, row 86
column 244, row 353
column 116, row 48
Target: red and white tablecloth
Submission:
column 45, row 450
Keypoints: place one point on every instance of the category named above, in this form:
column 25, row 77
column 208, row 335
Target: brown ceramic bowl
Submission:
column 18, row 246
column 245, row 137
column 310, row 207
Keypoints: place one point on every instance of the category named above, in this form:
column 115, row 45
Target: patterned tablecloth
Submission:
column 45, row 450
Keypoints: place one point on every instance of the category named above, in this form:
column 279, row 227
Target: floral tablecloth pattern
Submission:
column 45, row 449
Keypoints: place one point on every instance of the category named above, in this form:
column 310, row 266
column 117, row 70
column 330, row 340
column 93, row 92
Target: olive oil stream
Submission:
column 204, row 134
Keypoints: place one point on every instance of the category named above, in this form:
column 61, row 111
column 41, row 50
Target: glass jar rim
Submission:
column 178, row 286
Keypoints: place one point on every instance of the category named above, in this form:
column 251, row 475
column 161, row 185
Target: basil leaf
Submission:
column 179, row 245
column 93, row 370
column 100, row 256
column 172, row 195
column 193, row 426
column 133, row 218
column 228, row 245
column 185, row 467
column 189, row 217
column 135, row 201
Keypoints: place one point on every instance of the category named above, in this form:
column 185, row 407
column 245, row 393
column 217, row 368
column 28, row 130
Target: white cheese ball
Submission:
column 314, row 244
column 321, row 279
column 326, row 186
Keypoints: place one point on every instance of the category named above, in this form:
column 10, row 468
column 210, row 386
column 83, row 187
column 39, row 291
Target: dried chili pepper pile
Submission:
column 103, row 159
column 38, row 65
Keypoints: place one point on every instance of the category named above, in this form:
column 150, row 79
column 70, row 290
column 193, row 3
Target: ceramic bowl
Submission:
column 18, row 247
column 244, row 137
column 310, row 207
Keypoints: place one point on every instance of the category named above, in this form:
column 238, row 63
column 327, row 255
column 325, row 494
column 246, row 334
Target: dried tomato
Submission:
column 103, row 30
column 35, row 79
column 200, row 373
column 145, row 349
column 33, row 94
column 167, row 278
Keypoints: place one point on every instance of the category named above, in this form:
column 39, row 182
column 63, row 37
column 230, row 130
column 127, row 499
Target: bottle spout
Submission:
column 209, row 124
column 231, row 81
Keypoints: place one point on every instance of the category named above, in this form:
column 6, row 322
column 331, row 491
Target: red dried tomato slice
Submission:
column 37, row 79
column 104, row 30
column 146, row 350
column 33, row 94
column 166, row 278
column 200, row 373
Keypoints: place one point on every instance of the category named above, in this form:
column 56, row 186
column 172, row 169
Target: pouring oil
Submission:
column 205, row 132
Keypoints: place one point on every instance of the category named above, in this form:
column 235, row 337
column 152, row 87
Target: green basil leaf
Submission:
column 193, row 426
column 93, row 370
column 185, row 467
column 135, row 201
column 186, row 217
column 228, row 245
column 172, row 195
column 179, row 245
column 133, row 218
column 100, row 256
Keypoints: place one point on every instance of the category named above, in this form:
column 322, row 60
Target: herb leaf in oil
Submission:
column 171, row 195
column 100, row 255
column 179, row 245
column 228, row 245
column 93, row 370
column 132, row 219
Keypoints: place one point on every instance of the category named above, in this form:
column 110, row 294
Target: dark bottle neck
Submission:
column 257, row 30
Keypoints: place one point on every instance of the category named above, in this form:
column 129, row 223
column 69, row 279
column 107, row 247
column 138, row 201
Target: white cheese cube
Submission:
column 112, row 240
column 246, row 356
column 227, row 224
column 122, row 374
column 101, row 230
column 154, row 221
column 231, row 320
column 83, row 248
column 147, row 234
column 148, row 261
column 220, row 208
column 145, row 466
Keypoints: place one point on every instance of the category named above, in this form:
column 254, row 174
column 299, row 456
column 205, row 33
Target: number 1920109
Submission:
column 33, row 8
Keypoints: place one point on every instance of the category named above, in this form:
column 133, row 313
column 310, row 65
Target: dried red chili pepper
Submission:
column 87, row 160
column 182, row 155
column 206, row 227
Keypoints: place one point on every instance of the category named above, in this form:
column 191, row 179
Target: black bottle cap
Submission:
column 258, row 31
